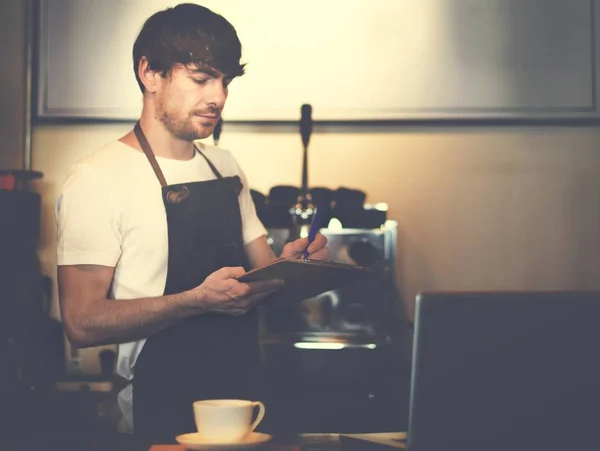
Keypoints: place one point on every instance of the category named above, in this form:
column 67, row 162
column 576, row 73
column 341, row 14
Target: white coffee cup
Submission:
column 226, row 420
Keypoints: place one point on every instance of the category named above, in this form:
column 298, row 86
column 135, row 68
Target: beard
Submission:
column 184, row 127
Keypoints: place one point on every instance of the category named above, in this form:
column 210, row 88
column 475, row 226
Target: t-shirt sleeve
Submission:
column 87, row 220
column 252, row 226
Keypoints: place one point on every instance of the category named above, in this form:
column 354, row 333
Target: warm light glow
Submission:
column 304, row 231
column 331, row 346
column 335, row 224
column 308, row 345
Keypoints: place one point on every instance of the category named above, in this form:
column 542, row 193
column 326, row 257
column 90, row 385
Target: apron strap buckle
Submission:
column 176, row 195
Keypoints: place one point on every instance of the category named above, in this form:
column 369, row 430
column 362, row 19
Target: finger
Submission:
column 241, row 306
column 245, row 291
column 239, row 290
column 248, row 302
column 319, row 242
column 298, row 245
column 321, row 254
column 218, row 285
column 231, row 272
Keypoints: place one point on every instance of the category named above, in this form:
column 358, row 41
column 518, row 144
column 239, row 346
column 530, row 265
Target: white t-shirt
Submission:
column 110, row 212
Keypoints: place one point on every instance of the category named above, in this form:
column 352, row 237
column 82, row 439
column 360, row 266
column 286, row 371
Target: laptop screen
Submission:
column 505, row 371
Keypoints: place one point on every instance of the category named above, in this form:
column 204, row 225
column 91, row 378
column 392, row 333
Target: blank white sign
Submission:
column 350, row 59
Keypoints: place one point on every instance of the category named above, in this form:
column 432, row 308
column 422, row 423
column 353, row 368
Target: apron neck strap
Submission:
column 137, row 129
column 212, row 166
column 149, row 154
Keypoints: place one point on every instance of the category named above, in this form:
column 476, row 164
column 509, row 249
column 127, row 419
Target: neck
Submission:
column 163, row 142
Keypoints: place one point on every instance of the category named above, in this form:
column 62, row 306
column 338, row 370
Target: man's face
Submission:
column 189, row 102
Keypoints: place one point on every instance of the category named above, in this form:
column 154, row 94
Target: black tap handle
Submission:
column 217, row 131
column 306, row 123
column 306, row 127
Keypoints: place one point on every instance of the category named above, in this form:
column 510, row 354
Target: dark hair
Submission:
column 188, row 34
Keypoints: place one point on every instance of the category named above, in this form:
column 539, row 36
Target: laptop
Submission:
column 506, row 371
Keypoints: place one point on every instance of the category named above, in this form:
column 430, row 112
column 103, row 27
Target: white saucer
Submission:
column 193, row 441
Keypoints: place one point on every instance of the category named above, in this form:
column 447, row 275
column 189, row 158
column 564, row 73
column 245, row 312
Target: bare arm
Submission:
column 259, row 252
column 91, row 319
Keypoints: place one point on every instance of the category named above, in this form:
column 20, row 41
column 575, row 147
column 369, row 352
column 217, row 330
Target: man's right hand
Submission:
column 221, row 292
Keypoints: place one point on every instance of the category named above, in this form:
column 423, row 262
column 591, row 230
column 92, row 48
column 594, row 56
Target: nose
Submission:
column 218, row 93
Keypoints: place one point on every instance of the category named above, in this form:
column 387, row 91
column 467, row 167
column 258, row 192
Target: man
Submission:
column 153, row 232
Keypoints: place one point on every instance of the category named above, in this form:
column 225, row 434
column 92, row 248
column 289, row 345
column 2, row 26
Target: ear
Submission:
column 148, row 76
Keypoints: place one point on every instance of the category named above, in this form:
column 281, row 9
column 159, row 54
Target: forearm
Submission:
column 107, row 321
column 259, row 252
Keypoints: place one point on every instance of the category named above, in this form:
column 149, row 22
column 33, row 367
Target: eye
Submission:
column 200, row 81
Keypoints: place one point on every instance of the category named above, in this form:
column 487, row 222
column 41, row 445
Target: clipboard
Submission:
column 307, row 278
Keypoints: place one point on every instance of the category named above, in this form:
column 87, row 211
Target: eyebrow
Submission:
column 205, row 70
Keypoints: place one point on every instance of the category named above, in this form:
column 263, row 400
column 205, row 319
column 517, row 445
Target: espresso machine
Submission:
column 339, row 361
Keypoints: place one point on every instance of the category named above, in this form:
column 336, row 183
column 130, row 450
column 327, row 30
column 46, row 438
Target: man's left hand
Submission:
column 316, row 251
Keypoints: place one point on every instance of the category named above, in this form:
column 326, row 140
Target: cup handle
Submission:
column 261, row 414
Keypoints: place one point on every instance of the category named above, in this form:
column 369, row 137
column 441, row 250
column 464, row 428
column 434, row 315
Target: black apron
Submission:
column 210, row 356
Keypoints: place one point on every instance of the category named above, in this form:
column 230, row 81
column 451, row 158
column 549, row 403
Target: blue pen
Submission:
column 314, row 228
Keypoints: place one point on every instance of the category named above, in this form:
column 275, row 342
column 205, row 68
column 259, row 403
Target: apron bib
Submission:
column 210, row 356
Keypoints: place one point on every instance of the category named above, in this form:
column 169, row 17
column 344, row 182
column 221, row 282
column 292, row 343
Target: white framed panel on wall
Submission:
column 350, row 59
